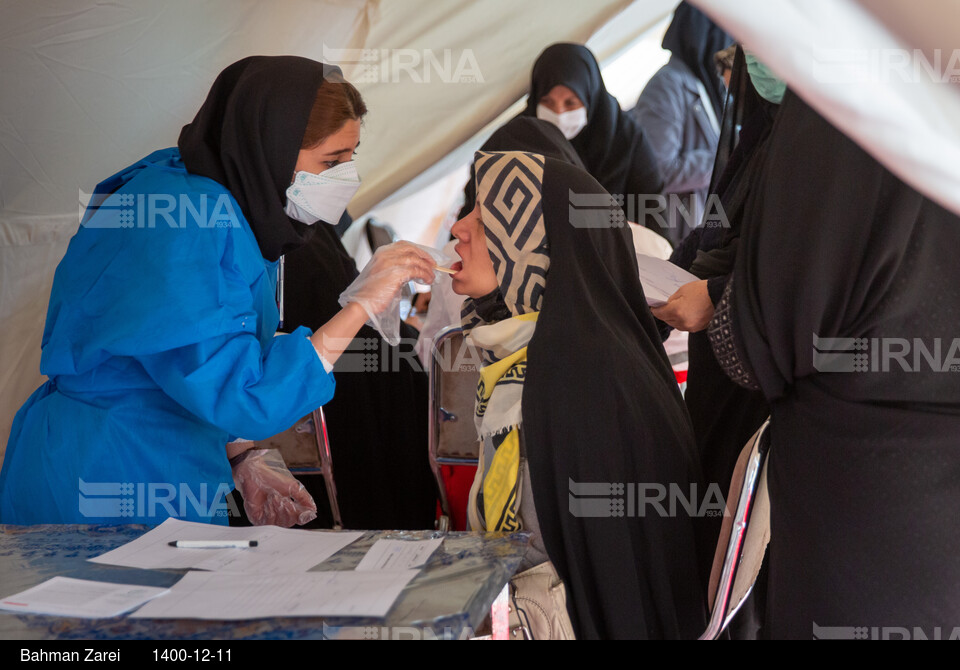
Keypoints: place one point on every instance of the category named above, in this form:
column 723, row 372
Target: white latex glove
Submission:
column 271, row 495
column 377, row 289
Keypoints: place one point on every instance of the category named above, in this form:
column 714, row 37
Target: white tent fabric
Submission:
column 885, row 72
column 89, row 87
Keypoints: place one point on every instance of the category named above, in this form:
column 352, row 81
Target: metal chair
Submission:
column 380, row 234
column 743, row 537
column 453, row 378
column 306, row 451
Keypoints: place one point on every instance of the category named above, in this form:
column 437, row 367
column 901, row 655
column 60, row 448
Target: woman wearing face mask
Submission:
column 159, row 342
column 567, row 90
column 724, row 414
column 574, row 397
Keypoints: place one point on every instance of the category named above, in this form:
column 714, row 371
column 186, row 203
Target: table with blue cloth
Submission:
column 449, row 599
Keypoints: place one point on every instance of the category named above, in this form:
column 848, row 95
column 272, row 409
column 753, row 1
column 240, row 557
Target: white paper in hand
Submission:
column 661, row 279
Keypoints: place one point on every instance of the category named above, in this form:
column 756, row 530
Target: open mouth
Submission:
column 456, row 267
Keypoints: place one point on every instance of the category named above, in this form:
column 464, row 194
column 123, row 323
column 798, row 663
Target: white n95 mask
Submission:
column 322, row 197
column 570, row 123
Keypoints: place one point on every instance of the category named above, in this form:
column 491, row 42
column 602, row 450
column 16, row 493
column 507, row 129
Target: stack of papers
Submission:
column 63, row 596
column 277, row 550
column 224, row 596
column 270, row 579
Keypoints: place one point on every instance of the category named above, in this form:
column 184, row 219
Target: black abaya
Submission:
column 601, row 404
column 864, row 469
column 724, row 415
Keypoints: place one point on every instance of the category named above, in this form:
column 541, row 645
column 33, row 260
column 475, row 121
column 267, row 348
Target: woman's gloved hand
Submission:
column 377, row 289
column 271, row 495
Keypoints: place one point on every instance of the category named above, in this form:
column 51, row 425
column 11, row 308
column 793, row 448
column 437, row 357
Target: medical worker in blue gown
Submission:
column 160, row 343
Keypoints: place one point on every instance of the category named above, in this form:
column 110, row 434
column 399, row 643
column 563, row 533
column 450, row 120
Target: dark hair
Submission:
column 337, row 102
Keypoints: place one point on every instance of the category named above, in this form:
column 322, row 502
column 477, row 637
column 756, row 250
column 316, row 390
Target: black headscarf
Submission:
column 600, row 404
column 523, row 133
column 695, row 39
column 612, row 145
column 725, row 415
column 247, row 135
column 747, row 124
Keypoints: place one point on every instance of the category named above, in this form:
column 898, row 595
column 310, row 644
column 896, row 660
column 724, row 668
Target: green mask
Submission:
column 768, row 85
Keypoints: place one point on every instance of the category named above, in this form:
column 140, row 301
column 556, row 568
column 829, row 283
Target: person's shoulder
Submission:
column 156, row 208
column 162, row 193
column 671, row 80
column 166, row 167
column 680, row 72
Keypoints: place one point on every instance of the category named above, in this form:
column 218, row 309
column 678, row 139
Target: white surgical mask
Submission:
column 570, row 123
column 322, row 197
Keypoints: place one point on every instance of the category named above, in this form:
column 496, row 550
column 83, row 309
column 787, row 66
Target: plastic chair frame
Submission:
column 722, row 612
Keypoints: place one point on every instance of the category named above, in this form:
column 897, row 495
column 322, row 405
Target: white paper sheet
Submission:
column 278, row 550
column 224, row 596
column 661, row 279
column 398, row 554
column 64, row 596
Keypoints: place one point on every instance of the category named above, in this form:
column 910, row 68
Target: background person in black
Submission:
column 724, row 415
column 864, row 461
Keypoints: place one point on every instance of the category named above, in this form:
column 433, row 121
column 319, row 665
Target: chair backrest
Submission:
column 305, row 448
column 454, row 375
column 297, row 445
column 380, row 234
column 744, row 534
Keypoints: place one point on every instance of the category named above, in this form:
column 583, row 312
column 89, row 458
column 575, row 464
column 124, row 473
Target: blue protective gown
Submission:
column 159, row 347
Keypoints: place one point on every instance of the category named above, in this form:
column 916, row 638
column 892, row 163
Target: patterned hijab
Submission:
column 510, row 194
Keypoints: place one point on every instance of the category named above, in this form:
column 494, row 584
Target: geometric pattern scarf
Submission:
column 509, row 193
column 498, row 418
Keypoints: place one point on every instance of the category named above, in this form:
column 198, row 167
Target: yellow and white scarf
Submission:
column 495, row 496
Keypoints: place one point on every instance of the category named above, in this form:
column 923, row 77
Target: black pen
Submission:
column 213, row 544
